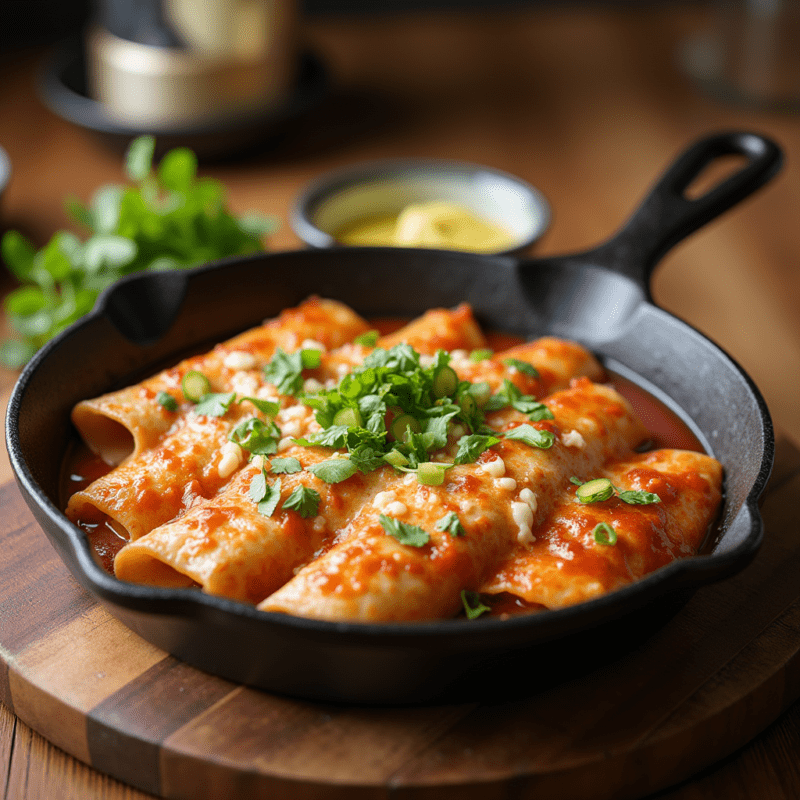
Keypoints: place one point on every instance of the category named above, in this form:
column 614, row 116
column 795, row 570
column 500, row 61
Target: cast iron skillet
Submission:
column 599, row 297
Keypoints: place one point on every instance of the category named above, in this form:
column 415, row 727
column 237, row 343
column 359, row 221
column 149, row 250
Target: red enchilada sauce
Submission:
column 667, row 430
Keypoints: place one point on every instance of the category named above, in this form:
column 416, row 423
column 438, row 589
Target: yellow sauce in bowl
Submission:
column 434, row 224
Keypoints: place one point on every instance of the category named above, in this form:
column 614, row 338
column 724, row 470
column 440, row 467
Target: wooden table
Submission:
column 589, row 105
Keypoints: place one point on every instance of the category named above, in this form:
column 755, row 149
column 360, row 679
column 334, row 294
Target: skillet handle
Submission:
column 667, row 215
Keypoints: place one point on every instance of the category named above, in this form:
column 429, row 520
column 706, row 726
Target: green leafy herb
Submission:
column 285, row 371
column 215, row 404
column 334, row 470
column 166, row 400
column 451, row 523
column 304, row 500
column 522, row 366
column 636, row 497
column 411, row 535
column 264, row 495
column 532, row 436
column 604, row 534
column 256, row 437
column 473, row 605
column 168, row 219
column 368, row 339
column 470, row 447
column 267, row 407
column 286, row 466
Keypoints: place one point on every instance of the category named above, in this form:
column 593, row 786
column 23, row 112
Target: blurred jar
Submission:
column 750, row 53
column 178, row 63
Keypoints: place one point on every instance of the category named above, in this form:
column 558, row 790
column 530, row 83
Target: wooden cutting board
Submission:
column 703, row 684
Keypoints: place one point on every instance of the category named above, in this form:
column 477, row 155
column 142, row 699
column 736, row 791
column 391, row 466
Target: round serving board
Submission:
column 705, row 682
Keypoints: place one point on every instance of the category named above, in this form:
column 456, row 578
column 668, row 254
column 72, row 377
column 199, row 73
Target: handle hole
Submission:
column 714, row 174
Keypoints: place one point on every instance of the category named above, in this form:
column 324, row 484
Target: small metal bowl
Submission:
column 386, row 187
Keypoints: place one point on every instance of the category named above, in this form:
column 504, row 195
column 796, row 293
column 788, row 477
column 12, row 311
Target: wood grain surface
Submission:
column 697, row 688
column 586, row 101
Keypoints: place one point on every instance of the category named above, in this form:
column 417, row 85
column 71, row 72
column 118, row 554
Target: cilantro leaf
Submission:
column 470, row 447
column 451, row 523
column 215, row 404
column 166, row 400
column 258, row 487
column 473, row 605
column 534, row 437
column 522, row 366
column 267, row 407
column 285, row 466
column 411, row 535
column 256, row 437
column 368, row 339
column 285, row 371
column 638, row 497
column 304, row 500
column 269, row 502
column 334, row 470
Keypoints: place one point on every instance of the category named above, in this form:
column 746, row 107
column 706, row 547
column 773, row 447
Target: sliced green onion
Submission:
column 480, row 354
column 368, row 339
column 396, row 458
column 480, row 392
column 194, row 385
column 310, row 358
column 401, row 424
column 604, row 534
column 348, row 416
column 595, row 491
column 469, row 404
column 431, row 473
column 445, row 381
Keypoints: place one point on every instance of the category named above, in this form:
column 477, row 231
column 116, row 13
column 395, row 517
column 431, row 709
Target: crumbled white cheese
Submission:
column 312, row 344
column 457, row 430
column 396, row 509
column 459, row 355
column 293, row 412
column 318, row 525
column 425, row 360
column 285, row 443
column 382, row 499
column 312, row 385
column 496, row 467
column 258, row 461
column 523, row 517
column 291, row 428
column 231, row 459
column 573, row 439
column 342, row 370
column 240, row 359
column 530, row 499
column 509, row 484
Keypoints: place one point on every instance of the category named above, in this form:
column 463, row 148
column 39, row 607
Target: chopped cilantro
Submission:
column 269, row 502
column 451, row 523
column 303, row 500
column 532, row 436
column 473, row 605
column 470, row 447
column 334, row 470
column 267, row 407
column 256, row 437
column 285, row 371
column 166, row 400
column 368, row 339
column 411, row 535
column 285, row 466
column 215, row 404
column 522, row 366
